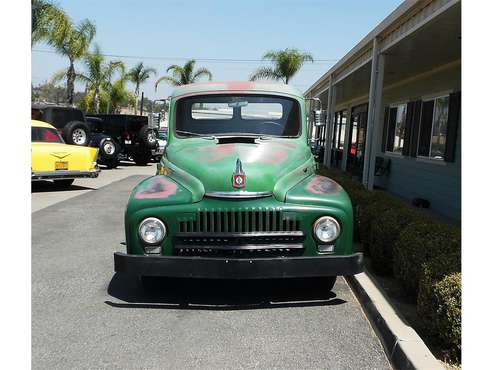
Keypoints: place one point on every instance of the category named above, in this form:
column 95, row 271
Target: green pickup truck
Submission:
column 236, row 196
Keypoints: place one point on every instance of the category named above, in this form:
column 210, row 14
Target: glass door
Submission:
column 357, row 140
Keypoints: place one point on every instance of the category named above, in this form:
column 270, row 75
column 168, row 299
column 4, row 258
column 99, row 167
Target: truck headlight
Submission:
column 152, row 231
column 326, row 229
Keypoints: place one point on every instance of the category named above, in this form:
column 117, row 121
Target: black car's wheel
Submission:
column 108, row 148
column 142, row 159
column 64, row 183
column 76, row 133
column 148, row 136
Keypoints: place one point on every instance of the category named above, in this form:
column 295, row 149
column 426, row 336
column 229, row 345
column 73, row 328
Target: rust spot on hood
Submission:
column 157, row 187
column 323, row 185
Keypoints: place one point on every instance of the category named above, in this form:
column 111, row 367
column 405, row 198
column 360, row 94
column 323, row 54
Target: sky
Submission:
column 164, row 32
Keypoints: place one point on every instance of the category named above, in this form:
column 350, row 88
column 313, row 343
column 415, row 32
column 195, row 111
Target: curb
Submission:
column 404, row 347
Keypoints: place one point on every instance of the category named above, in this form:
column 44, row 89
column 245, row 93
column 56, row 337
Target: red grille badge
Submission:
column 239, row 177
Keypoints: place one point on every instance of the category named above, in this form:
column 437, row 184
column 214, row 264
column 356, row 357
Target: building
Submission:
column 393, row 106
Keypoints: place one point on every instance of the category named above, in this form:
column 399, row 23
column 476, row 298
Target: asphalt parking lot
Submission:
column 85, row 316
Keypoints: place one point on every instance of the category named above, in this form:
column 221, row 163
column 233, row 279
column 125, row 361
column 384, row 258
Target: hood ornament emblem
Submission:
column 239, row 177
column 60, row 155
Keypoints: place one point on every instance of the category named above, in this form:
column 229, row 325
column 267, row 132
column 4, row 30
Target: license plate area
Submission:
column 61, row 166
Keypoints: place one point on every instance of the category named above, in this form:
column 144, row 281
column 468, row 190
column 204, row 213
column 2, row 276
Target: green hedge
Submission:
column 447, row 294
column 423, row 254
column 418, row 243
column 376, row 205
column 439, row 301
column 385, row 228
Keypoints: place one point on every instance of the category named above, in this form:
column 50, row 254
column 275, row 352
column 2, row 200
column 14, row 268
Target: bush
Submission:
column 384, row 233
column 374, row 206
column 447, row 293
column 433, row 272
column 439, row 302
column 418, row 243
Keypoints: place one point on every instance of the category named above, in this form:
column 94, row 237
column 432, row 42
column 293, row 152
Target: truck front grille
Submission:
column 257, row 244
column 240, row 221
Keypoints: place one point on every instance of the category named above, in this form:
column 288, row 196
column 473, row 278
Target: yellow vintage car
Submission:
column 52, row 159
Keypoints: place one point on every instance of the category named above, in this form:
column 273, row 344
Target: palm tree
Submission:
column 138, row 75
column 98, row 75
column 184, row 75
column 287, row 63
column 73, row 42
column 47, row 20
column 115, row 94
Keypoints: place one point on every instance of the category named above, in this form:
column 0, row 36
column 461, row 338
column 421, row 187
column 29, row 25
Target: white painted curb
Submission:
column 405, row 349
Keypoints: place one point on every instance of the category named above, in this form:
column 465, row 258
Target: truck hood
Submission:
column 213, row 164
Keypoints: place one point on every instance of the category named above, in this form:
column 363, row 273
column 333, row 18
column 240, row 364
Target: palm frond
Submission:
column 266, row 73
column 171, row 80
column 59, row 76
column 202, row 72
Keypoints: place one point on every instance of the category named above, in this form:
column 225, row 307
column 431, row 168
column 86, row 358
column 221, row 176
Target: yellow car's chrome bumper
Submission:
column 64, row 174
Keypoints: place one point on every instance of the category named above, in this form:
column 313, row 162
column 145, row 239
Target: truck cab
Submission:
column 236, row 195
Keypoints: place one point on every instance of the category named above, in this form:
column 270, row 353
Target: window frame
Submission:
column 390, row 106
column 429, row 98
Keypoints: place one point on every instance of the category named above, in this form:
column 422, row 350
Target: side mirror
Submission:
column 319, row 117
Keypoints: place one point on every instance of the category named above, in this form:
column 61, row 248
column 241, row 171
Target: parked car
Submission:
column 162, row 139
column 69, row 121
column 52, row 159
column 122, row 136
column 236, row 194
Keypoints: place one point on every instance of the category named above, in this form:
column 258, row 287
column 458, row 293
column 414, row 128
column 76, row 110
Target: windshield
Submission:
column 46, row 135
column 222, row 115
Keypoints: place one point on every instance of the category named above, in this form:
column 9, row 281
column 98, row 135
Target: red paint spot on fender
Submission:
column 323, row 185
column 158, row 187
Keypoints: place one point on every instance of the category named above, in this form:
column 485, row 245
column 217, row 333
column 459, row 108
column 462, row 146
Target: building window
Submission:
column 433, row 128
column 396, row 128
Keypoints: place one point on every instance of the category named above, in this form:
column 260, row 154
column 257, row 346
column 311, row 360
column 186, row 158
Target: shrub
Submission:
column 439, row 302
column 374, row 206
column 447, row 293
column 420, row 242
column 432, row 272
column 384, row 233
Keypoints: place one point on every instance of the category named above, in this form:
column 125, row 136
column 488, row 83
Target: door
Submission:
column 338, row 136
column 357, row 139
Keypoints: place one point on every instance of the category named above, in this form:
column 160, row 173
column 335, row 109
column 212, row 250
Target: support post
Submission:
column 376, row 141
column 374, row 101
column 331, row 99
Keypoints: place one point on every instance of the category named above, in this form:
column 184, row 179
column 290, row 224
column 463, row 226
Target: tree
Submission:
column 47, row 21
column 116, row 95
column 138, row 75
column 287, row 63
column 184, row 75
column 97, row 76
column 73, row 42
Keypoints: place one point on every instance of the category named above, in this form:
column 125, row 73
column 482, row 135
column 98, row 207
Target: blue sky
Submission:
column 222, row 29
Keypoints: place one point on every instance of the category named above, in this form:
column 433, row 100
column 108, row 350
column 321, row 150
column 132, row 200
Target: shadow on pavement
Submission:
column 220, row 295
column 46, row 186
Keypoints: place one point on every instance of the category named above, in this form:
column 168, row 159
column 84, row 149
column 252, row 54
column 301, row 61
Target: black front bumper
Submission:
column 223, row 268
